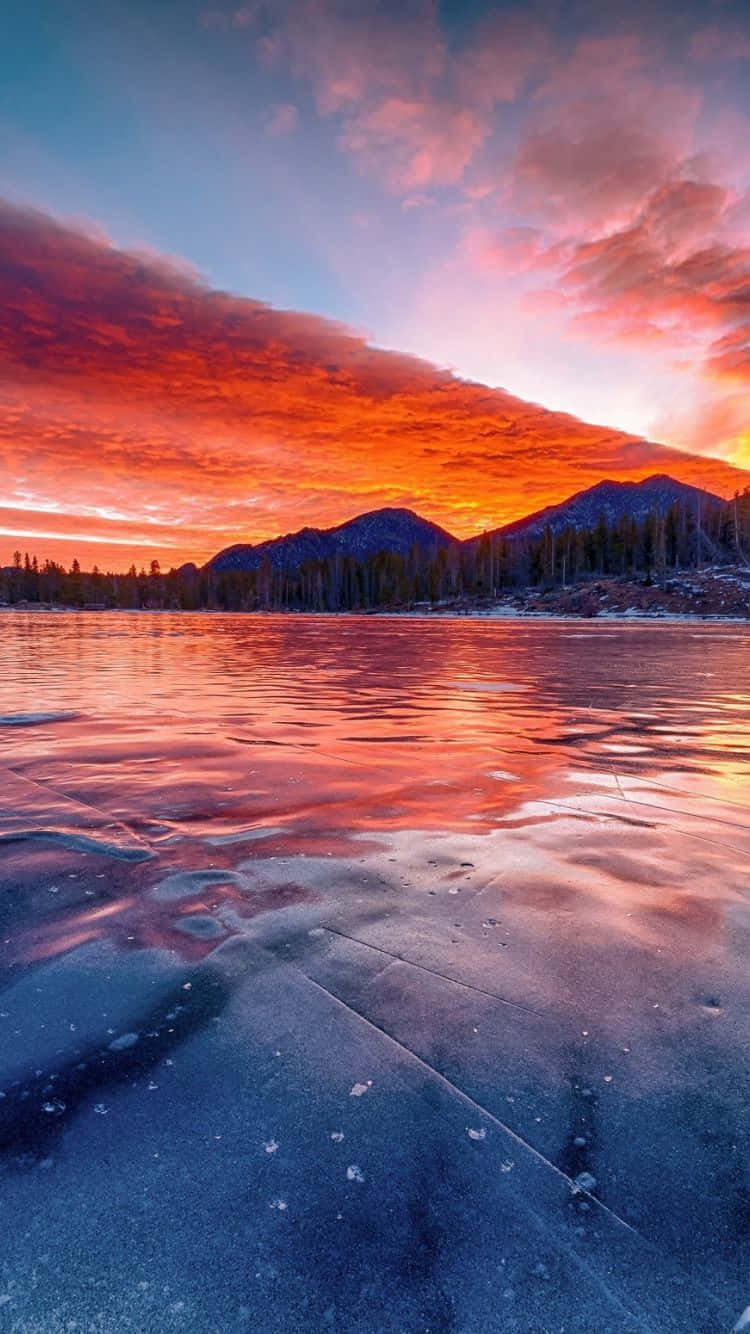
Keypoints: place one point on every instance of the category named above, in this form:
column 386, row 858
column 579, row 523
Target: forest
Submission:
column 489, row 566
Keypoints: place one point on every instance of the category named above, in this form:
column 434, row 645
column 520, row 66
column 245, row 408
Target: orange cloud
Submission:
column 143, row 414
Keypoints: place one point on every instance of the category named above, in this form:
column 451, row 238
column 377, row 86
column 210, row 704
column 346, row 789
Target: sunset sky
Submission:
column 278, row 263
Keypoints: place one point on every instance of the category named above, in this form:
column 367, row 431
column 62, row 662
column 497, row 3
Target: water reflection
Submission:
column 439, row 824
column 195, row 741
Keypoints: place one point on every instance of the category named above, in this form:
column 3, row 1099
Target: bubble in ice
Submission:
column 585, row 1181
column 124, row 1041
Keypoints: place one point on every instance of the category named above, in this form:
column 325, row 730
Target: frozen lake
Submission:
column 373, row 974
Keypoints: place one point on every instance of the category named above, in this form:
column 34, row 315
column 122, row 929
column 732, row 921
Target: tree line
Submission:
column 649, row 549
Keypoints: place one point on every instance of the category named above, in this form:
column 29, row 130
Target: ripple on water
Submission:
column 244, row 835
column 191, row 884
column 33, row 719
column 493, row 687
column 79, row 843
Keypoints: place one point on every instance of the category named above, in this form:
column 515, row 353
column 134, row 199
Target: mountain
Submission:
column 614, row 500
column 398, row 530
column 392, row 530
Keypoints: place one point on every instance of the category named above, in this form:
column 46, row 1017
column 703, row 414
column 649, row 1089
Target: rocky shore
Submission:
column 722, row 593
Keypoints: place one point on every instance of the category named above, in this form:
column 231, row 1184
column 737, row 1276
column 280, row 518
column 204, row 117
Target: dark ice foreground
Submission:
column 373, row 975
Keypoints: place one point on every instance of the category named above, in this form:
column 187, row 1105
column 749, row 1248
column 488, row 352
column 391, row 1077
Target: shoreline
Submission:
column 476, row 614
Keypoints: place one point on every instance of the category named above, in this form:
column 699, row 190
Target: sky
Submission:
column 271, row 264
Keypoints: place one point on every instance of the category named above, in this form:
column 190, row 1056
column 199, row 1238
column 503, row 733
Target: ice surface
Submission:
column 459, row 1043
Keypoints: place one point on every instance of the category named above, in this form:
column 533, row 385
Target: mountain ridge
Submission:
column 613, row 499
column 392, row 528
column 397, row 529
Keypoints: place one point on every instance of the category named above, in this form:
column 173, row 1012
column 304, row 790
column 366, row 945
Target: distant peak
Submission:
column 392, row 510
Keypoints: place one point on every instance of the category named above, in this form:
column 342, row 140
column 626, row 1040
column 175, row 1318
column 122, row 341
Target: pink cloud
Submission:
column 282, row 119
column 351, row 53
column 410, row 112
column 590, row 160
column 418, row 201
column 715, row 44
column 591, row 178
column 680, row 214
column 413, row 144
column 598, row 179
column 671, row 283
column 506, row 50
column 511, row 250
column 380, row 73
column 545, row 301
column 608, row 122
